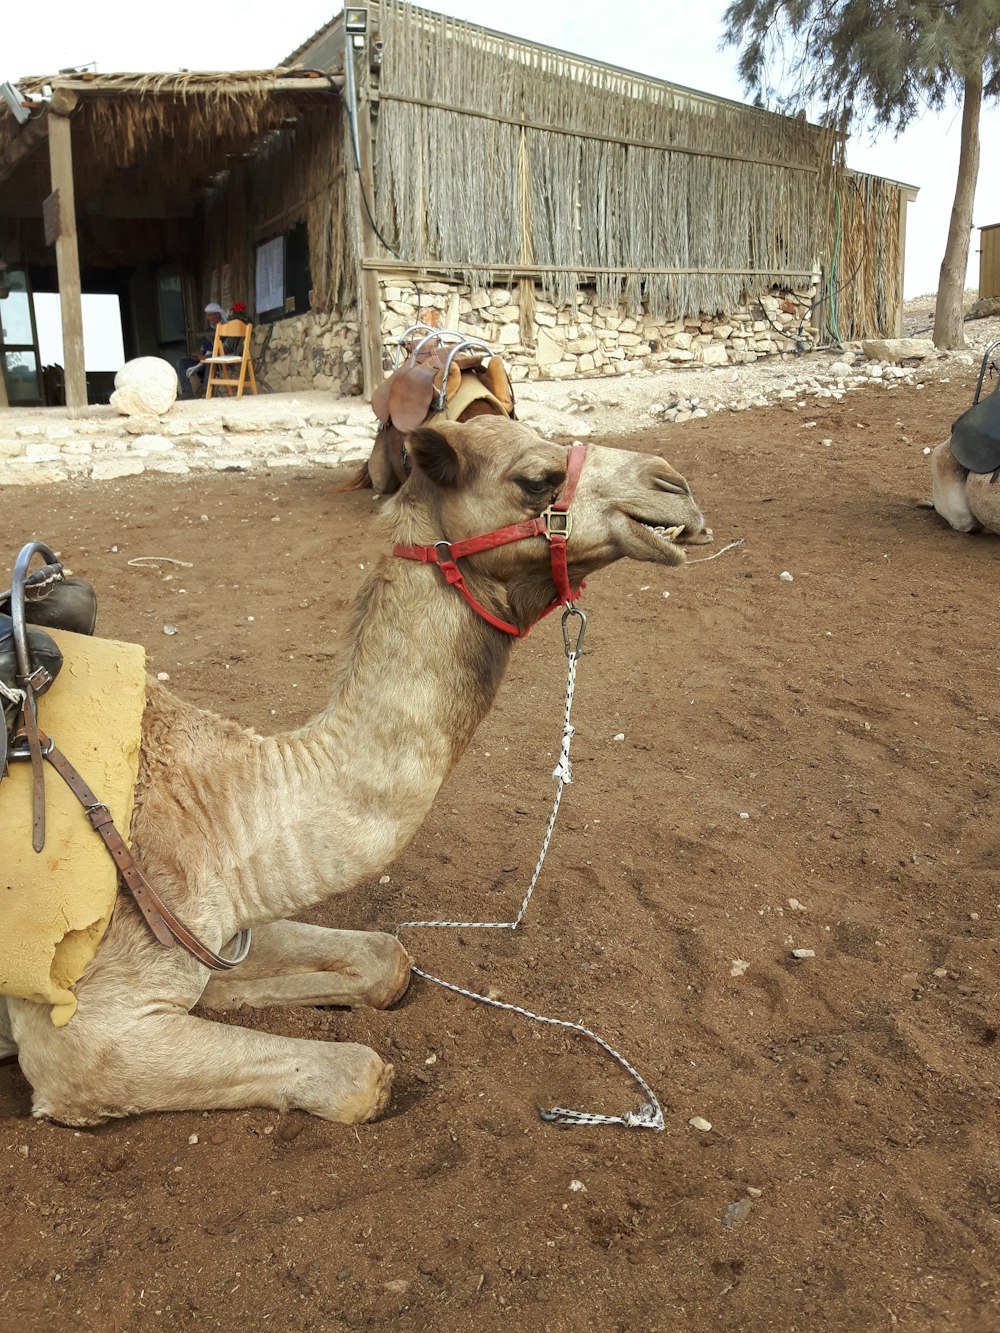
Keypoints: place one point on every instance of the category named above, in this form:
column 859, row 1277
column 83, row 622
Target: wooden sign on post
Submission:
column 52, row 218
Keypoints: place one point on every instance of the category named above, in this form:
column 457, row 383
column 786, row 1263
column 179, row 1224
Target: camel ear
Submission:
column 435, row 457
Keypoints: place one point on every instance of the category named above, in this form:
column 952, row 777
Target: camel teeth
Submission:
column 670, row 534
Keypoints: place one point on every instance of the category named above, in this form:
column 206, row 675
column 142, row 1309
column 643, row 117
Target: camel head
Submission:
column 489, row 473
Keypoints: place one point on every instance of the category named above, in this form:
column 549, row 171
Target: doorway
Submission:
column 19, row 341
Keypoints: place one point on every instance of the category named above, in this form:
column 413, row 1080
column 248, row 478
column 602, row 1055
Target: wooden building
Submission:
column 587, row 219
column 989, row 261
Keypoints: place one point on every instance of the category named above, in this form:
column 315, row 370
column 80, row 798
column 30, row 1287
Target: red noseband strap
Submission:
column 554, row 523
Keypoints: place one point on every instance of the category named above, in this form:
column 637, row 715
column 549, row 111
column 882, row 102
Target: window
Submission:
column 282, row 275
column 170, row 306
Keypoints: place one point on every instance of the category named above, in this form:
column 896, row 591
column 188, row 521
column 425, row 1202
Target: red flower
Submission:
column 239, row 308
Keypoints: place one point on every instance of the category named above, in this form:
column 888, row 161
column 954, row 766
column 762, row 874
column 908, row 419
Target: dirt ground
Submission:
column 831, row 740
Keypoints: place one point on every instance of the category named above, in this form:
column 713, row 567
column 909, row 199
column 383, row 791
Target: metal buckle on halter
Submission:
column 558, row 522
column 447, row 551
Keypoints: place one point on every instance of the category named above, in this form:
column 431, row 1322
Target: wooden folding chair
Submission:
column 221, row 364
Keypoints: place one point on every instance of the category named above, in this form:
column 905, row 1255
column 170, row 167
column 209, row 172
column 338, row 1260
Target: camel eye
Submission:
column 536, row 486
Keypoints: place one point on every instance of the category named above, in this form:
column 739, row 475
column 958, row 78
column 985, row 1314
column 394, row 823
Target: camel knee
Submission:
column 389, row 971
column 348, row 1084
column 71, row 1070
column 293, row 963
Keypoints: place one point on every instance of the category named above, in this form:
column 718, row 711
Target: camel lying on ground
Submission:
column 965, row 469
column 238, row 830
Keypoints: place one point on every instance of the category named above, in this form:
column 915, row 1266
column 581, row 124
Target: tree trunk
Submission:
column 948, row 328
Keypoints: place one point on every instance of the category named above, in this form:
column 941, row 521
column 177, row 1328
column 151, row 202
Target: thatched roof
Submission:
column 151, row 136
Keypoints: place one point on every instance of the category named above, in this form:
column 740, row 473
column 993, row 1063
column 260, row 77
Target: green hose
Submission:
column 832, row 317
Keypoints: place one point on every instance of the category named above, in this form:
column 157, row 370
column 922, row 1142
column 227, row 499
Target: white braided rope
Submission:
column 563, row 774
column 703, row 559
column 649, row 1115
column 15, row 696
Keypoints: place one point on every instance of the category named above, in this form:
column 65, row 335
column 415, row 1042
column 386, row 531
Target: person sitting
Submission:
column 191, row 370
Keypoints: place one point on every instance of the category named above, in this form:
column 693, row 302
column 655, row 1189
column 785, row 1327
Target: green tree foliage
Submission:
column 881, row 63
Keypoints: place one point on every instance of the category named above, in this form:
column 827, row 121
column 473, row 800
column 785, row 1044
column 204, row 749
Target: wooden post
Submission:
column 369, row 315
column 907, row 194
column 68, row 261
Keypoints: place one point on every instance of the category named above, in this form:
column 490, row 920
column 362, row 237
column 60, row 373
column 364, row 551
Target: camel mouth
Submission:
column 666, row 541
column 677, row 534
column 662, row 540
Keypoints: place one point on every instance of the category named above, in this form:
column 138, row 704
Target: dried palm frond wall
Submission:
column 303, row 171
column 863, row 280
column 492, row 155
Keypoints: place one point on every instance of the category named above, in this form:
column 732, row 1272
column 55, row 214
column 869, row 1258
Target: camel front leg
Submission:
column 8, row 1046
column 293, row 963
column 168, row 1060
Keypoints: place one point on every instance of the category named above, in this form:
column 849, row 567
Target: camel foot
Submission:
column 109, row 1062
column 360, row 1090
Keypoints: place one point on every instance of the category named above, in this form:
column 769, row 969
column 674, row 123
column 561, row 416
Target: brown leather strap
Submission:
column 30, row 719
column 161, row 921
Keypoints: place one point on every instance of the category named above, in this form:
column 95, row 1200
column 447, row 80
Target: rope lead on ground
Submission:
column 649, row 1115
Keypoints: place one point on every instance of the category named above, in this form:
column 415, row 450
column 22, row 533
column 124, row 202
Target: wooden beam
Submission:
column 33, row 134
column 320, row 83
column 369, row 313
column 596, row 136
column 68, row 263
column 438, row 267
column 907, row 195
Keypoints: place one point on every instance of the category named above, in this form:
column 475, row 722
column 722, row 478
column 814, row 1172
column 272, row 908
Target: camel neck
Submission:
column 350, row 789
column 418, row 649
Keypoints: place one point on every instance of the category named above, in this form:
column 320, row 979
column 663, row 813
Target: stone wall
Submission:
column 44, row 445
column 322, row 351
column 310, row 351
column 567, row 343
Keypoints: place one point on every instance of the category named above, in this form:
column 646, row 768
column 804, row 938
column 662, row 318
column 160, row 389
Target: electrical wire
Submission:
column 352, row 119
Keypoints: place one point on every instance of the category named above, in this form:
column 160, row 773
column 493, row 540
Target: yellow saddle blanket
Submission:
column 55, row 905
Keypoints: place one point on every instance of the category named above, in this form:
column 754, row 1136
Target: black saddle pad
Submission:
column 975, row 436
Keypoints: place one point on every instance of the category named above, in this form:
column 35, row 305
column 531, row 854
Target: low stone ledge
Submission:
column 110, row 469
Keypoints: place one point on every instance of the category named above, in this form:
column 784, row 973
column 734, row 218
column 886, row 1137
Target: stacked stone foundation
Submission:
column 550, row 342
column 543, row 342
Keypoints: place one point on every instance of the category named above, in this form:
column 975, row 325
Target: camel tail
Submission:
column 361, row 481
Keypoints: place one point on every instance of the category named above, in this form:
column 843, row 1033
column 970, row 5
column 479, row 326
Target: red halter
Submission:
column 554, row 523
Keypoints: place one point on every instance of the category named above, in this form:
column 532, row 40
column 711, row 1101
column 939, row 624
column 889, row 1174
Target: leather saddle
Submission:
column 431, row 377
column 30, row 659
column 438, row 375
column 975, row 436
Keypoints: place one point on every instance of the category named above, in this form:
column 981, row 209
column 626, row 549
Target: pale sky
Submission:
column 669, row 39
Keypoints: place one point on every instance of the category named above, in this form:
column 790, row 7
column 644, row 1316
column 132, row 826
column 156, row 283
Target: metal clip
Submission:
column 573, row 649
